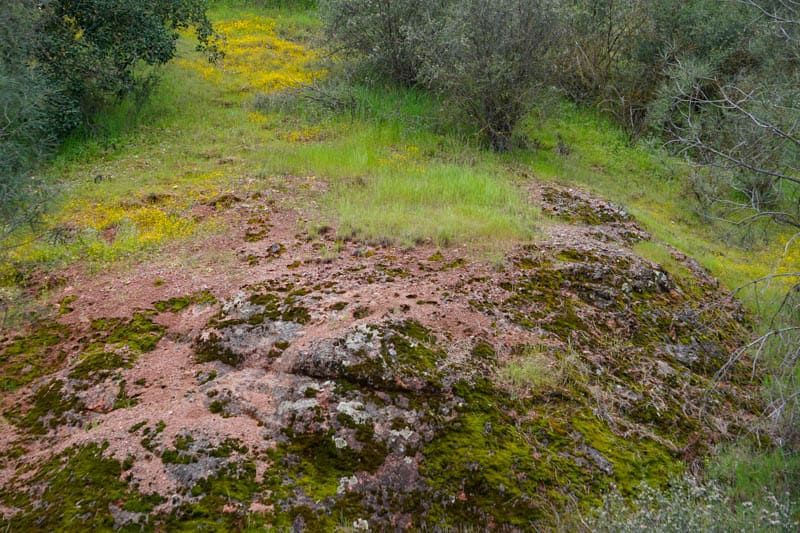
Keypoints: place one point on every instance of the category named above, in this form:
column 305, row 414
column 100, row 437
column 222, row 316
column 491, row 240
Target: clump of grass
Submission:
column 530, row 371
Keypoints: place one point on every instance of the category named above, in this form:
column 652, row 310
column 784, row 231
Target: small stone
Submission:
column 346, row 483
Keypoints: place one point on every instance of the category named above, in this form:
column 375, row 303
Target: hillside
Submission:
column 248, row 312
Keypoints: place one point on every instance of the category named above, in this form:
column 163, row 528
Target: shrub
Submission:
column 379, row 31
column 28, row 103
column 617, row 54
column 487, row 59
column 92, row 48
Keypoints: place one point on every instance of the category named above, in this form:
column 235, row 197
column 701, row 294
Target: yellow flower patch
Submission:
column 256, row 59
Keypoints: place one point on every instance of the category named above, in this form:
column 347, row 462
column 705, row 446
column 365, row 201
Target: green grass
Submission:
column 747, row 473
column 531, row 372
column 397, row 169
column 443, row 203
column 650, row 184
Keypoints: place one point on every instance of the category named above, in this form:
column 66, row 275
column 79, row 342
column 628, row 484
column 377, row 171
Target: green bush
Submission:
column 382, row 32
column 618, row 54
column 29, row 103
column 488, row 58
column 92, row 48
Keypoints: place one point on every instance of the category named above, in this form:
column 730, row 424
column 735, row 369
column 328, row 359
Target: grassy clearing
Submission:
column 444, row 203
column 128, row 185
column 397, row 172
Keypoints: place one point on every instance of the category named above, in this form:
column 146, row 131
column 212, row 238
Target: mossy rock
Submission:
column 116, row 344
column 211, row 348
column 28, row 357
column 179, row 303
column 49, row 408
column 80, row 488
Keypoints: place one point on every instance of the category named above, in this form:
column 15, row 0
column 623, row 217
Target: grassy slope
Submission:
column 199, row 136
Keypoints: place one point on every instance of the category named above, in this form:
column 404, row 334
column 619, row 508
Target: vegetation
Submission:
column 386, row 147
column 487, row 59
column 60, row 64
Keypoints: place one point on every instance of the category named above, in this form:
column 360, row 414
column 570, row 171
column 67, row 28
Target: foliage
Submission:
column 93, row 47
column 382, row 31
column 26, row 120
column 60, row 61
column 691, row 505
column 487, row 60
column 742, row 133
column 617, row 54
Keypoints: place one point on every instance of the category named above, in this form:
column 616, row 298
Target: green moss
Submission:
column 392, row 272
column 255, row 235
column 635, row 459
column 457, row 263
column 206, row 377
column 488, row 464
column 576, row 256
column 150, row 435
column 233, row 486
column 277, row 308
column 297, row 314
column 406, row 360
column 227, row 447
column 415, row 331
column 218, row 406
column 175, row 457
column 484, row 351
column 123, row 401
column 64, row 305
column 322, row 464
column 362, row 311
column 211, row 349
column 97, row 364
column 49, row 409
column 139, row 334
column 29, row 357
column 178, row 304
column 482, row 466
column 79, row 487
column 179, row 455
column 137, row 426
